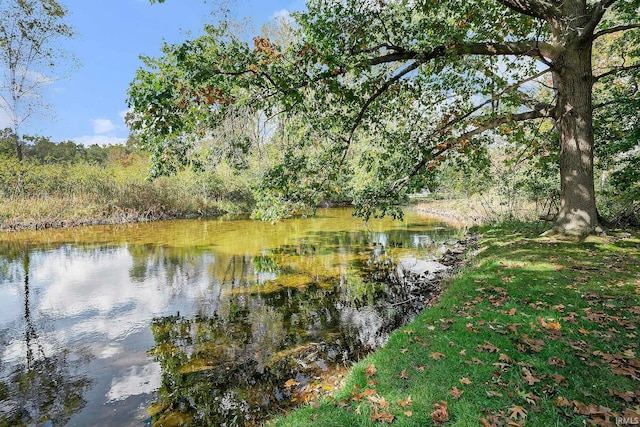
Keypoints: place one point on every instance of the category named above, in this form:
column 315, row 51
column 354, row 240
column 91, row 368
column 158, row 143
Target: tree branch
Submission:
column 534, row 8
column 616, row 71
column 615, row 30
column 538, row 106
column 371, row 99
column 489, row 124
column 505, row 118
column 596, row 15
column 381, row 90
column 531, row 48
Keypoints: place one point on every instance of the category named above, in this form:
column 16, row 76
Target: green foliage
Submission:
column 380, row 95
column 618, row 135
column 336, row 100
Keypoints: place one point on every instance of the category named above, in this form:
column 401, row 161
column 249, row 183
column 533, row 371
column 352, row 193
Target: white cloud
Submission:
column 5, row 120
column 124, row 113
column 102, row 126
column 282, row 14
column 138, row 380
column 101, row 140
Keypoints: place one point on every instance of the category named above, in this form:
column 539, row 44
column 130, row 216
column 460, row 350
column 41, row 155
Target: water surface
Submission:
column 217, row 322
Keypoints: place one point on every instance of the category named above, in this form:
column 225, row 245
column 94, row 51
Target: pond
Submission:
column 212, row 322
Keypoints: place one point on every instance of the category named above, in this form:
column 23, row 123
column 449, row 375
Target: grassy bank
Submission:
column 533, row 332
column 57, row 195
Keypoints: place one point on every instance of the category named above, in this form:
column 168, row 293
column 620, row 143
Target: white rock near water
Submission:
column 422, row 270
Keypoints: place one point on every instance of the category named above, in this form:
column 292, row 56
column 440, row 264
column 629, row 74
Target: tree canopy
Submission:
column 386, row 90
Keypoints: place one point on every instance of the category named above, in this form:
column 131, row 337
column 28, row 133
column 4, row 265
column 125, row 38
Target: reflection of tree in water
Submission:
column 174, row 263
column 230, row 368
column 45, row 389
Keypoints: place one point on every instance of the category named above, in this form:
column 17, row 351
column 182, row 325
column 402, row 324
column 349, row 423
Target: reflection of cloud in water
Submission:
column 10, row 303
column 15, row 351
column 97, row 290
column 367, row 323
column 109, row 351
column 86, row 300
column 138, row 380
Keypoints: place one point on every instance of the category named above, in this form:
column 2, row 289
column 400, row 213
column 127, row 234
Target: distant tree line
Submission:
column 41, row 149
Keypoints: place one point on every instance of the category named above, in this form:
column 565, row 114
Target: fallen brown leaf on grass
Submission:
column 591, row 409
column 441, row 414
column 517, row 412
column 631, row 414
column 378, row 400
column 476, row 361
column 383, row 417
column 456, row 392
column 365, row 393
column 406, row 402
column 627, row 396
column 437, row 356
column 486, row 423
column 549, row 325
column 555, row 361
column 528, row 377
column 370, row 371
column 487, row 346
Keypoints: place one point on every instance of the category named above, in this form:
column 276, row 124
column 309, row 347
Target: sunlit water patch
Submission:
column 218, row 322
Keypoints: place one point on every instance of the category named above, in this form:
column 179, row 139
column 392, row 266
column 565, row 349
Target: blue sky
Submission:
column 89, row 105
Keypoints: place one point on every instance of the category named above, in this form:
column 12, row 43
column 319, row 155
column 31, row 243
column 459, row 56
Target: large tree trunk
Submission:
column 573, row 79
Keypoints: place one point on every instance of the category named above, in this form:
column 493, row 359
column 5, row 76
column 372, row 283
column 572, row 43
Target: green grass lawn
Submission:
column 533, row 331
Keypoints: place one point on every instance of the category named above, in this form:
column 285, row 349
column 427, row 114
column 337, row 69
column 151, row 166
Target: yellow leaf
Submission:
column 554, row 325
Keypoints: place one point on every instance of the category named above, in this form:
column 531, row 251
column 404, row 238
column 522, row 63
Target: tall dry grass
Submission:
column 52, row 195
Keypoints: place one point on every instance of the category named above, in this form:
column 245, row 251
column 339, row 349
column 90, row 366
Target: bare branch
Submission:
column 616, row 71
